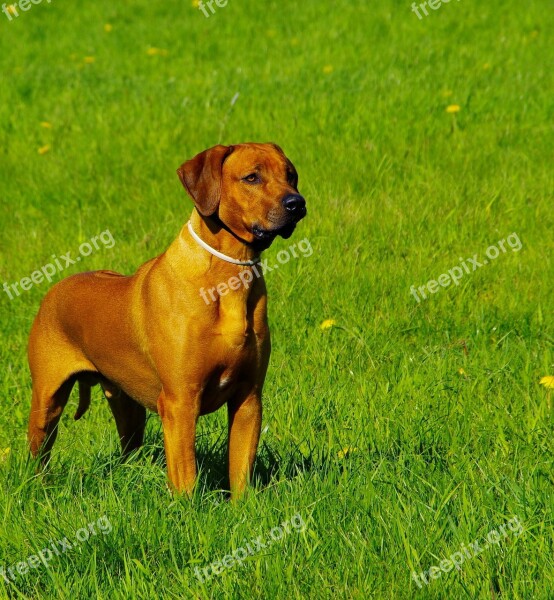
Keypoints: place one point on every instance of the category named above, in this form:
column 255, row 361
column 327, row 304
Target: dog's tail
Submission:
column 84, row 399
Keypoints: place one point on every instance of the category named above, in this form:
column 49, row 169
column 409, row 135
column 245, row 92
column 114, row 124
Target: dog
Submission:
column 152, row 342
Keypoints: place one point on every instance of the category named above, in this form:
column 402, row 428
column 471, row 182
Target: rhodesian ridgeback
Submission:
column 152, row 342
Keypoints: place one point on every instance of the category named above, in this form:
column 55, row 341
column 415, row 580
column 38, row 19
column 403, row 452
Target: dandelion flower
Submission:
column 548, row 382
column 44, row 149
column 346, row 451
column 327, row 324
column 453, row 108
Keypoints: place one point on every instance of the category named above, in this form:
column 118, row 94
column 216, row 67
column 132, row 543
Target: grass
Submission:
column 438, row 404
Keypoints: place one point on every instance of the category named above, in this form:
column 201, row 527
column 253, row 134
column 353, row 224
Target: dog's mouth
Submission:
column 264, row 237
column 269, row 234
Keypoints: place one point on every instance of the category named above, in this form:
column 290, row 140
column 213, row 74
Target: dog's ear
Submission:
column 201, row 177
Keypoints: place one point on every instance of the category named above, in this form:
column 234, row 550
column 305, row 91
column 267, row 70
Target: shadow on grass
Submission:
column 106, row 462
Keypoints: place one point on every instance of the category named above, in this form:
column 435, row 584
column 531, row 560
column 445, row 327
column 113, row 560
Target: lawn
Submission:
column 406, row 435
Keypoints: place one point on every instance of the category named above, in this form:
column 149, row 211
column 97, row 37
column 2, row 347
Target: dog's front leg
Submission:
column 245, row 419
column 179, row 415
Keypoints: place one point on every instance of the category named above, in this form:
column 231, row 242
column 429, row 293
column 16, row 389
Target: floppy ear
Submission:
column 201, row 177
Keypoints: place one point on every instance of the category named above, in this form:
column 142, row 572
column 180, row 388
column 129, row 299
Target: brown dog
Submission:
column 153, row 342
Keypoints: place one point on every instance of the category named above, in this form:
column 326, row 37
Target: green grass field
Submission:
column 401, row 433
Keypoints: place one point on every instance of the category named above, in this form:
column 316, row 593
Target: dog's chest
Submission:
column 232, row 358
column 236, row 348
column 235, row 324
column 232, row 369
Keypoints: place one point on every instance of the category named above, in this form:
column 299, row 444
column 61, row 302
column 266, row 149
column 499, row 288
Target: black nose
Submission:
column 294, row 203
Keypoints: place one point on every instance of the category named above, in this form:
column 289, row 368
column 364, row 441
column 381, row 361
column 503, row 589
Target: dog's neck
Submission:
column 212, row 233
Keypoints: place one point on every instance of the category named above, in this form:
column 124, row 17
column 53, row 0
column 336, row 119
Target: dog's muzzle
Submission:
column 295, row 207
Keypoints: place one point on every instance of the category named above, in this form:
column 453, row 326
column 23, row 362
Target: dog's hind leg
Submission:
column 55, row 366
column 130, row 419
column 46, row 409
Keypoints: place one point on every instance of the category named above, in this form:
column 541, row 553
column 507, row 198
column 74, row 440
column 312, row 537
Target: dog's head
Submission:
column 253, row 189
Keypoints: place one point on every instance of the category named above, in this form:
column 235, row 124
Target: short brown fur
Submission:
column 152, row 342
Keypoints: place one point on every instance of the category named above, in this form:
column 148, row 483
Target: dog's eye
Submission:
column 252, row 178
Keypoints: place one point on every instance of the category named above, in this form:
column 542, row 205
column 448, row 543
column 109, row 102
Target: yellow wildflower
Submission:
column 548, row 382
column 346, row 451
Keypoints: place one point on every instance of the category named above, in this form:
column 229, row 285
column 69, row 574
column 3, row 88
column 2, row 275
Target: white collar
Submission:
column 201, row 242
